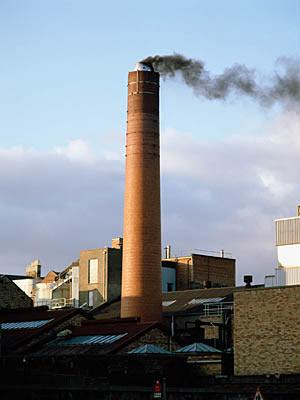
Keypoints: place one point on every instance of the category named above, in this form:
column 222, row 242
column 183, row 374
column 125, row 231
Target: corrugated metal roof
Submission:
column 90, row 339
column 149, row 349
column 24, row 324
column 180, row 301
column 167, row 303
column 209, row 300
column 198, row 348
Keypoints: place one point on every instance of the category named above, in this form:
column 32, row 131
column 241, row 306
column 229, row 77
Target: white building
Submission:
column 288, row 252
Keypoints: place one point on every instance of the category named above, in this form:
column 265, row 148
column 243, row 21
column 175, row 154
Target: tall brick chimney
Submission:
column 141, row 270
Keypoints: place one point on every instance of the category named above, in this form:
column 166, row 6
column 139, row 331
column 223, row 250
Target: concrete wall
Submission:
column 108, row 285
column 99, row 289
column 289, row 256
column 266, row 331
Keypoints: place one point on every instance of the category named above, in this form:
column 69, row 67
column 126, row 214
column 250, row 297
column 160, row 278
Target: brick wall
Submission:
column 199, row 268
column 183, row 270
column 267, row 331
column 218, row 270
column 11, row 296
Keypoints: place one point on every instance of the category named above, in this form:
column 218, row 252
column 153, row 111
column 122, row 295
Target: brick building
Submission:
column 266, row 331
column 199, row 270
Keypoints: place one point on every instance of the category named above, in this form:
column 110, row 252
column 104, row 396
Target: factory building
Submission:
column 197, row 271
column 288, row 252
column 181, row 336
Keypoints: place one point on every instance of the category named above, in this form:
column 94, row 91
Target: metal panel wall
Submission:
column 287, row 231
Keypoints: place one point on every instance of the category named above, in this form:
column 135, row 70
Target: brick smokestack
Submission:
column 141, row 269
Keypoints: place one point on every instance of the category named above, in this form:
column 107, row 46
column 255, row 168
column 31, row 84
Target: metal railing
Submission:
column 56, row 303
column 216, row 309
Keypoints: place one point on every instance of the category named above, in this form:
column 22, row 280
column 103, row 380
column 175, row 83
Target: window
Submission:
column 93, row 271
column 91, row 298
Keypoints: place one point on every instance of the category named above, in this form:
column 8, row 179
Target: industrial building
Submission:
column 128, row 320
column 287, row 271
column 197, row 271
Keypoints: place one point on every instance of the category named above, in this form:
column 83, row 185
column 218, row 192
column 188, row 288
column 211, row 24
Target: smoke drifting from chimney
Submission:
column 283, row 87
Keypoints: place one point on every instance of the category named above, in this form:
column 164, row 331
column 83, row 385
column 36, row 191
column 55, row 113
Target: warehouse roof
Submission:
column 175, row 302
column 149, row 349
column 198, row 348
column 98, row 337
column 21, row 326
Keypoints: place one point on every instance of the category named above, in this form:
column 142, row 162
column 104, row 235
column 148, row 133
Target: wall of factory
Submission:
column 219, row 271
column 93, row 289
column 266, row 331
column 99, row 275
column 194, row 270
column 287, row 231
column 114, row 273
column 26, row 285
column 43, row 293
column 168, row 279
column 289, row 256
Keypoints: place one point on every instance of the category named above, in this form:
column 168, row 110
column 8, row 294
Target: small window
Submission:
column 93, row 271
column 91, row 298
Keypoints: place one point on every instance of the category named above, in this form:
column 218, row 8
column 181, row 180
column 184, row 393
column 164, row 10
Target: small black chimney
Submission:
column 248, row 280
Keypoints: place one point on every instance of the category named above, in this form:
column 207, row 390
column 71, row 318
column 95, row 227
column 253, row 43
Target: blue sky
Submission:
column 64, row 63
column 63, row 77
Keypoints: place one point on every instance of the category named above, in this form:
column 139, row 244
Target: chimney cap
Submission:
column 144, row 66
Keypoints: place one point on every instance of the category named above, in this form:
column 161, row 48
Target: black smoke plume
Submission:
column 238, row 79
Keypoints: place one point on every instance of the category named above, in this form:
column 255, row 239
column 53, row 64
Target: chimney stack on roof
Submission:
column 141, row 269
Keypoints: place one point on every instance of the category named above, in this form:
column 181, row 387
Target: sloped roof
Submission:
column 24, row 324
column 149, row 349
column 173, row 302
column 186, row 300
column 18, row 277
column 198, row 348
column 98, row 337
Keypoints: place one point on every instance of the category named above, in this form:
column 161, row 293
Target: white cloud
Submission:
column 215, row 195
column 77, row 150
column 229, row 192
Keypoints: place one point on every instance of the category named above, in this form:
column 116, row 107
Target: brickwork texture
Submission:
column 267, row 331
